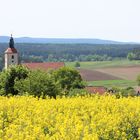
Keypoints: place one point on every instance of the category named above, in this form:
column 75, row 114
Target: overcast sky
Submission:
column 104, row 19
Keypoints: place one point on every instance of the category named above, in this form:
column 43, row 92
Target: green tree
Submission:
column 138, row 80
column 38, row 83
column 1, row 63
column 77, row 64
column 131, row 56
column 68, row 78
column 7, row 79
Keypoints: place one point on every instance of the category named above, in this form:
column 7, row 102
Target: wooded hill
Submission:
column 70, row 52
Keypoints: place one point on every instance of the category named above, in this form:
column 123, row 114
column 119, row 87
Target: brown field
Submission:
column 127, row 73
column 94, row 75
column 118, row 73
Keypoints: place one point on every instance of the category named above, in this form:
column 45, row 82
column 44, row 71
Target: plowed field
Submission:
column 94, row 75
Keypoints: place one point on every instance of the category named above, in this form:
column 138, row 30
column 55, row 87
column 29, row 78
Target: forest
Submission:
column 30, row 52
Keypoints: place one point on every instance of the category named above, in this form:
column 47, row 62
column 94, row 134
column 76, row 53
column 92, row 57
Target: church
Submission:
column 12, row 58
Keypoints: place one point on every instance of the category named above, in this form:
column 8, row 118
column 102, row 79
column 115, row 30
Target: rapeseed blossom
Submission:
column 76, row 118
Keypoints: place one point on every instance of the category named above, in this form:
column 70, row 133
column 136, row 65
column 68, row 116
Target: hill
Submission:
column 5, row 39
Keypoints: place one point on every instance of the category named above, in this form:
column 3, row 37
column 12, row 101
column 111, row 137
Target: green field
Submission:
column 113, row 83
column 108, row 64
column 104, row 64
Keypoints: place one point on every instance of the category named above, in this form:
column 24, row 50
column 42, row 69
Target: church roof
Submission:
column 44, row 66
column 11, row 50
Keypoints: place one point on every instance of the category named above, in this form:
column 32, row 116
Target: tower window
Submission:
column 12, row 56
column 12, row 61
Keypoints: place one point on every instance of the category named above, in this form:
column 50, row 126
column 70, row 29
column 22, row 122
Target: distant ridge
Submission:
column 5, row 39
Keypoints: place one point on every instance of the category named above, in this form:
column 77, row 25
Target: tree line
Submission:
column 70, row 52
column 134, row 55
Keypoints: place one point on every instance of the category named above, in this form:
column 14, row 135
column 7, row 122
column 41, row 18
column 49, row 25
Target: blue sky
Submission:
column 104, row 19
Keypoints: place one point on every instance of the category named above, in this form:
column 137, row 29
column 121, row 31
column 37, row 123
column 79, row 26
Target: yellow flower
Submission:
column 87, row 118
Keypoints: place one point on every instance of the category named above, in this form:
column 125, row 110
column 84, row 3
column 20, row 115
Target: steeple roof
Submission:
column 11, row 42
column 11, row 48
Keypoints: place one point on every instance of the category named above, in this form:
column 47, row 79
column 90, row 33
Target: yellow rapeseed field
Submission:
column 76, row 118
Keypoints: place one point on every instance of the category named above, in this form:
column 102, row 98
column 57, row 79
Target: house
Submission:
column 12, row 58
column 96, row 89
column 44, row 66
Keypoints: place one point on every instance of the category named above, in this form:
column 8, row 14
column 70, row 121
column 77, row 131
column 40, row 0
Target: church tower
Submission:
column 11, row 54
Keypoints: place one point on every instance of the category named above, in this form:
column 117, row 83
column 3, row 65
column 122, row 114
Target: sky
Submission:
column 103, row 19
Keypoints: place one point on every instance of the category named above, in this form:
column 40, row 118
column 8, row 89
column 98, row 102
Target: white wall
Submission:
column 9, row 60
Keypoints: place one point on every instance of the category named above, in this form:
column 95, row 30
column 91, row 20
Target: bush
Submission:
column 124, row 92
column 77, row 64
column 78, row 92
column 138, row 80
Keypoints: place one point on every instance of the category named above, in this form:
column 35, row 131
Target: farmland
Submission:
column 105, row 64
column 109, row 73
column 113, row 83
column 91, row 117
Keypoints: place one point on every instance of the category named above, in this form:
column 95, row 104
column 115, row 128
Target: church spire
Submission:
column 11, row 54
column 11, row 42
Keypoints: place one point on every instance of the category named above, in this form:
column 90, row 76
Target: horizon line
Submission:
column 74, row 38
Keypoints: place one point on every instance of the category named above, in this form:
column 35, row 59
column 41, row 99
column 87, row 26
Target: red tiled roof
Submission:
column 44, row 66
column 92, row 89
column 11, row 50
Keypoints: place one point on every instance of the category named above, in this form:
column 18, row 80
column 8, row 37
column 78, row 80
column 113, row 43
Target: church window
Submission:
column 12, row 56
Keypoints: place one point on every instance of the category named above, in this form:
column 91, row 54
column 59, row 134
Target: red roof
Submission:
column 91, row 89
column 44, row 66
column 11, row 50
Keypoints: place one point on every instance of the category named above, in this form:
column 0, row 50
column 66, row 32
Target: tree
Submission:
column 77, row 64
column 38, row 83
column 131, row 56
column 138, row 80
column 68, row 78
column 8, row 77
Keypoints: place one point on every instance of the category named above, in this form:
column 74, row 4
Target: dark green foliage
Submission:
column 70, row 52
column 18, row 80
column 78, row 92
column 8, row 77
column 38, row 83
column 123, row 92
column 134, row 55
column 77, row 64
column 1, row 62
column 68, row 78
column 138, row 80
column 131, row 56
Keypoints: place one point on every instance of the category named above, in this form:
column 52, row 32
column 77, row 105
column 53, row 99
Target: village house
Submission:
column 96, row 89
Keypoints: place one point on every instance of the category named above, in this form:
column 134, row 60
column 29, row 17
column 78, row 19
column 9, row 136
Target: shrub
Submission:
column 77, row 64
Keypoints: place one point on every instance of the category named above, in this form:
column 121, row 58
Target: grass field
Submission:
column 105, row 64
column 121, row 73
column 113, row 83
